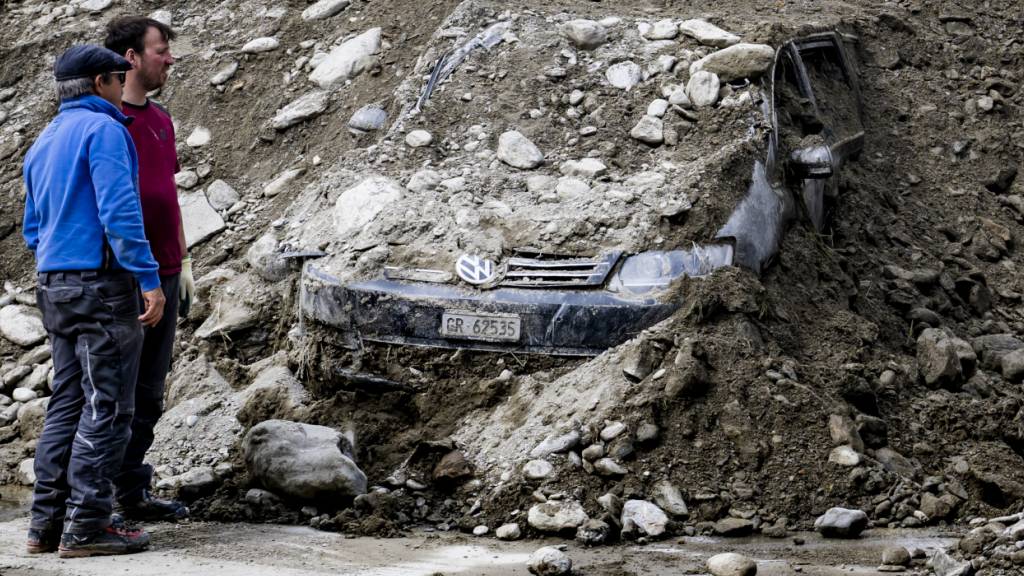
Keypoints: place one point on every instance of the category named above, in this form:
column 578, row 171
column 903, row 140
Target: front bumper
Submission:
column 559, row 322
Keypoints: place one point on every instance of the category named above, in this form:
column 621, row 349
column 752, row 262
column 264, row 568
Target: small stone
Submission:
column 649, row 130
column 260, row 45
column 896, row 556
column 549, row 561
column 554, row 444
column 348, row 60
column 841, row 523
column 509, row 531
column 304, row 108
column 199, row 137
column 282, row 181
column 480, row 530
column 423, row 181
column 556, row 515
column 731, row 564
column 593, row 532
column 27, row 472
column 609, row 467
column 703, row 88
column 734, row 527
column 186, row 179
column 575, row 97
column 624, row 75
column 657, row 108
column 24, row 395
column 647, row 433
column 537, row 469
column 593, row 452
column 22, row 325
column 844, row 456
column 518, row 151
column 612, row 431
column 662, row 30
column 226, row 72
column 586, row 168
column 368, row 118
column 324, row 9
column 221, row 195
column 669, row 499
column 418, row 138
column 585, row 34
column 707, row 33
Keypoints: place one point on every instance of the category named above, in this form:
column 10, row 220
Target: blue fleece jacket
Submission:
column 81, row 178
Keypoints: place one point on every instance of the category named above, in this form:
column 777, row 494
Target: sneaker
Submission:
column 114, row 539
column 149, row 508
column 42, row 541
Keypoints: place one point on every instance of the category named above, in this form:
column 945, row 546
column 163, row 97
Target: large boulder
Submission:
column 302, row 461
column 841, row 523
column 737, row 61
column 22, row 325
column 348, row 60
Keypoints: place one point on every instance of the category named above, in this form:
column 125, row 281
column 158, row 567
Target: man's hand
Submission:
column 154, row 307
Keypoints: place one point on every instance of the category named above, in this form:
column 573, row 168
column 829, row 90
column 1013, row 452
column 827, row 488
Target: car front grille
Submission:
column 535, row 270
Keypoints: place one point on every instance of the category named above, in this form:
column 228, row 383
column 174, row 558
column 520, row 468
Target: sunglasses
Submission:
column 120, row 76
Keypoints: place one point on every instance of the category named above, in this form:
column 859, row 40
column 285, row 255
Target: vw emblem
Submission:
column 476, row 270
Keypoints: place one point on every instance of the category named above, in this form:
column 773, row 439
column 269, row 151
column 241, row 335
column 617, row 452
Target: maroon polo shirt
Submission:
column 153, row 133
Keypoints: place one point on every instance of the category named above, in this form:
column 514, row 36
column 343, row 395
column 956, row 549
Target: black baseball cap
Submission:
column 86, row 60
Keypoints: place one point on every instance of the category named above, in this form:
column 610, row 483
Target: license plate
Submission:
column 480, row 326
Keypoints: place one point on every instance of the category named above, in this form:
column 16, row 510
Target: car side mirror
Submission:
column 813, row 162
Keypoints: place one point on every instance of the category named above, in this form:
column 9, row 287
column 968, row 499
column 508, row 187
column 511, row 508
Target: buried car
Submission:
column 533, row 300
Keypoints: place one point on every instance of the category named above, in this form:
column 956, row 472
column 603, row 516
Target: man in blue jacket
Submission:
column 84, row 224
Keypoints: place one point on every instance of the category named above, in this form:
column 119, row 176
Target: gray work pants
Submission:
column 95, row 338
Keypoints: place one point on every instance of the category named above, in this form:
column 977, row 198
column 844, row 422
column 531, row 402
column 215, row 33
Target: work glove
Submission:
column 186, row 287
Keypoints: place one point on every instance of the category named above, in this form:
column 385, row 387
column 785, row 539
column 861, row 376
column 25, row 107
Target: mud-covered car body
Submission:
column 567, row 305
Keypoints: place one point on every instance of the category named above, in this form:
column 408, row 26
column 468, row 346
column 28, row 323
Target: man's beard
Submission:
column 151, row 81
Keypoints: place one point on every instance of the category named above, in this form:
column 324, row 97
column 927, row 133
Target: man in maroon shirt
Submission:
column 145, row 43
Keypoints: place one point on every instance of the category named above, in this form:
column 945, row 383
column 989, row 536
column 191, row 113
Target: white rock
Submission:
column 556, row 515
column 553, row 444
column 480, row 530
column 418, row 139
column 703, row 88
column 453, row 185
column 423, row 181
column 650, row 130
column 199, row 137
column 708, row 34
column 227, row 72
column 575, row 97
column 662, row 30
column 200, row 219
column 307, row 106
column 737, row 61
column 95, row 5
column 324, row 9
column 612, row 431
column 586, row 168
column 657, row 108
column 585, row 34
column 367, row 118
column 678, row 97
column 844, row 456
column 667, row 62
column 508, row 532
column 624, row 75
column 549, row 561
column 358, row 205
column 731, row 564
column 281, row 182
column 348, row 60
column 163, row 16
column 221, row 195
column 259, row 45
column 532, row 470
column 27, row 472
column 570, row 188
column 22, row 325
column 186, row 179
column 841, row 523
column 24, row 395
column 518, row 151
column 669, row 499
column 643, row 518
column 540, row 184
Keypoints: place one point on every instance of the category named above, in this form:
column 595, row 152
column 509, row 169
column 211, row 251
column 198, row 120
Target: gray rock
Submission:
column 518, row 151
column 841, row 523
column 844, row 431
column 368, row 118
column 347, row 60
column 196, row 482
column 991, row 348
column 360, row 204
column 24, row 394
column 10, row 414
column 896, row 556
column 37, row 355
column 707, row 33
column 584, row 168
column 221, row 195
column 27, row 472
column 669, row 499
column 199, row 137
column 16, row 375
column 593, row 452
column 733, row 527
column 937, row 358
column 200, row 219
column 1013, row 365
column 648, row 432
column 624, row 75
column 641, row 518
column 418, row 139
column 657, row 108
column 537, row 470
column 609, row 467
column 593, row 532
column 423, row 181
column 282, row 181
column 95, row 5
column 481, row 530
column 585, row 34
column 509, row 531
column 260, row 45
column 225, row 73
column 702, row 88
column 737, row 61
column 895, row 462
column 302, row 461
column 944, row 565
column 731, row 564
column 612, row 431
column 938, row 507
column 265, row 258
column 556, row 516
column 30, row 418
column 230, row 314
column 304, row 108
column 549, row 561
column 649, row 130
column 22, row 325
column 324, row 9
column 556, row 444
column 186, row 179
column 844, row 456
column 662, row 30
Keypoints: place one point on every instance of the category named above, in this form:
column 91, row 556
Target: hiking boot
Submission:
column 149, row 508
column 42, row 541
column 114, row 539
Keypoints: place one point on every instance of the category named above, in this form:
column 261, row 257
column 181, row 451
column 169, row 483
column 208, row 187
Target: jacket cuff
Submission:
column 149, row 281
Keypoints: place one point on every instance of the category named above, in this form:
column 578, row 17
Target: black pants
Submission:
column 95, row 339
column 154, row 364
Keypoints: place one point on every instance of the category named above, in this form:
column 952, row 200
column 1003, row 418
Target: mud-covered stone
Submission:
column 896, row 556
column 642, row 518
column 734, row 527
column 454, row 467
column 593, row 532
column 585, row 34
column 707, row 33
column 556, row 516
column 510, row 531
column 731, row 564
column 937, row 358
column 841, row 523
column 668, row 498
column 549, row 561
column 737, row 61
column 302, row 461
